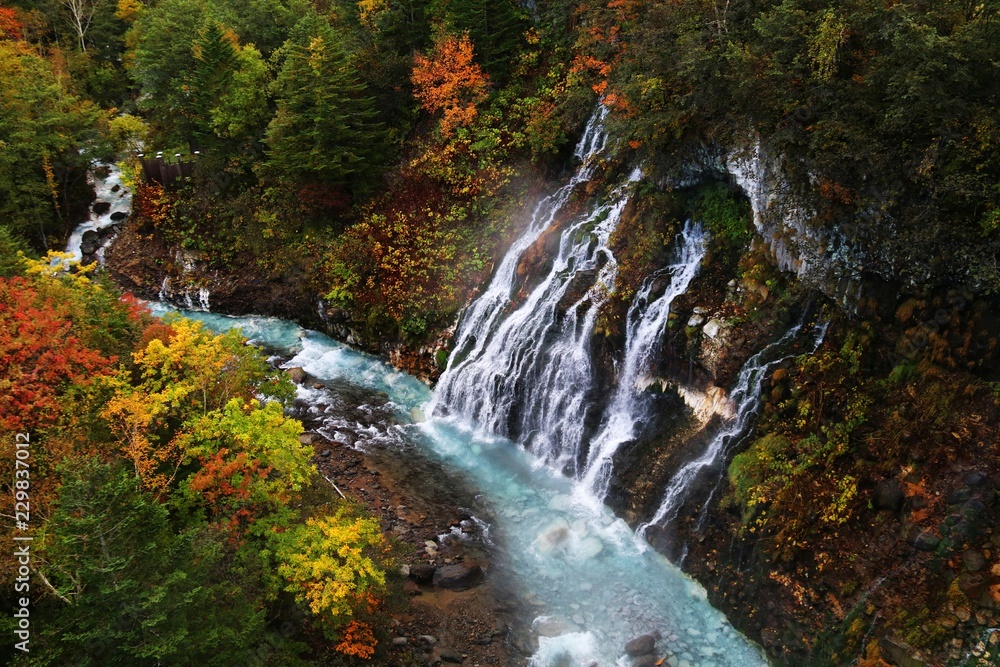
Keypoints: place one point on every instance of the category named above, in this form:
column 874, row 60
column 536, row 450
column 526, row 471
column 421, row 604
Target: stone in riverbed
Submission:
column 888, row 495
column 713, row 328
column 100, row 208
column 643, row 645
column 296, row 375
column 118, row 216
column 446, row 654
column 973, row 584
column 422, row 572
column 974, row 478
column 458, row 577
column 926, row 542
column 644, row 661
column 973, row 560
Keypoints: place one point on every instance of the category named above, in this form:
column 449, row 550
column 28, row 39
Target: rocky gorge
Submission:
column 902, row 570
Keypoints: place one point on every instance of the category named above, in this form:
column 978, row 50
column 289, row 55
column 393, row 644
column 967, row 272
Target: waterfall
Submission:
column 646, row 321
column 745, row 398
column 526, row 374
column 109, row 190
column 529, row 375
column 487, row 310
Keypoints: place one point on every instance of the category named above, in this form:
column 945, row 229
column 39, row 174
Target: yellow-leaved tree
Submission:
column 185, row 380
column 337, row 565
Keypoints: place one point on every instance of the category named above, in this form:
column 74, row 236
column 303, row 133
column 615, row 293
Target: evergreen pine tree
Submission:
column 496, row 27
column 325, row 128
column 215, row 61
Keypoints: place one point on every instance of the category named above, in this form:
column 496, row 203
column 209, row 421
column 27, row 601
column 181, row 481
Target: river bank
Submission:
column 473, row 614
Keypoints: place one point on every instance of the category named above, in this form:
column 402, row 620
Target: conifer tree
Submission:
column 215, row 59
column 495, row 27
column 325, row 128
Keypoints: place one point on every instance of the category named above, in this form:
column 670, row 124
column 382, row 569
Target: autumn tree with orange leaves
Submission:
column 10, row 27
column 450, row 81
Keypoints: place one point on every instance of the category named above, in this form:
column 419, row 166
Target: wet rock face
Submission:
column 901, row 653
column 93, row 240
column 422, row 573
column 147, row 266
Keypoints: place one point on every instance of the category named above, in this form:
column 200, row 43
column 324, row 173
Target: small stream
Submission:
column 109, row 189
column 594, row 583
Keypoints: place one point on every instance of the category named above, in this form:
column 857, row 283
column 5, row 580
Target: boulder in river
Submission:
column 118, row 216
column 643, row 645
column 422, row 572
column 644, row 661
column 446, row 654
column 458, row 576
column 100, row 207
column 296, row 375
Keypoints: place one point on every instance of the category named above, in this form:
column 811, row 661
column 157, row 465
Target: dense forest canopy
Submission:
column 382, row 150
column 304, row 113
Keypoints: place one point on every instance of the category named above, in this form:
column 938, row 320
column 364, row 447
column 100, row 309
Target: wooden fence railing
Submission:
column 157, row 169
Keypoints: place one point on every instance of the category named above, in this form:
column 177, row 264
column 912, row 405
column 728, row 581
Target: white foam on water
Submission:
column 120, row 202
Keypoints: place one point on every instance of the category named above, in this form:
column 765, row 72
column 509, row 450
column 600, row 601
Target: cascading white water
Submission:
column 108, row 189
column 746, row 399
column 527, row 375
column 487, row 310
column 646, row 321
column 529, row 378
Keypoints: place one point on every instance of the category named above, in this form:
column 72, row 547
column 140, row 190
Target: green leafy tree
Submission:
column 11, row 262
column 131, row 590
column 43, row 126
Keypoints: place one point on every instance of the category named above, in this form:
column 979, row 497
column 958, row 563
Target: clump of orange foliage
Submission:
column 10, row 27
column 358, row 640
column 449, row 80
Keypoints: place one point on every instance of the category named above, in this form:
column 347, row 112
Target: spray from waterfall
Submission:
column 647, row 319
column 746, row 401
